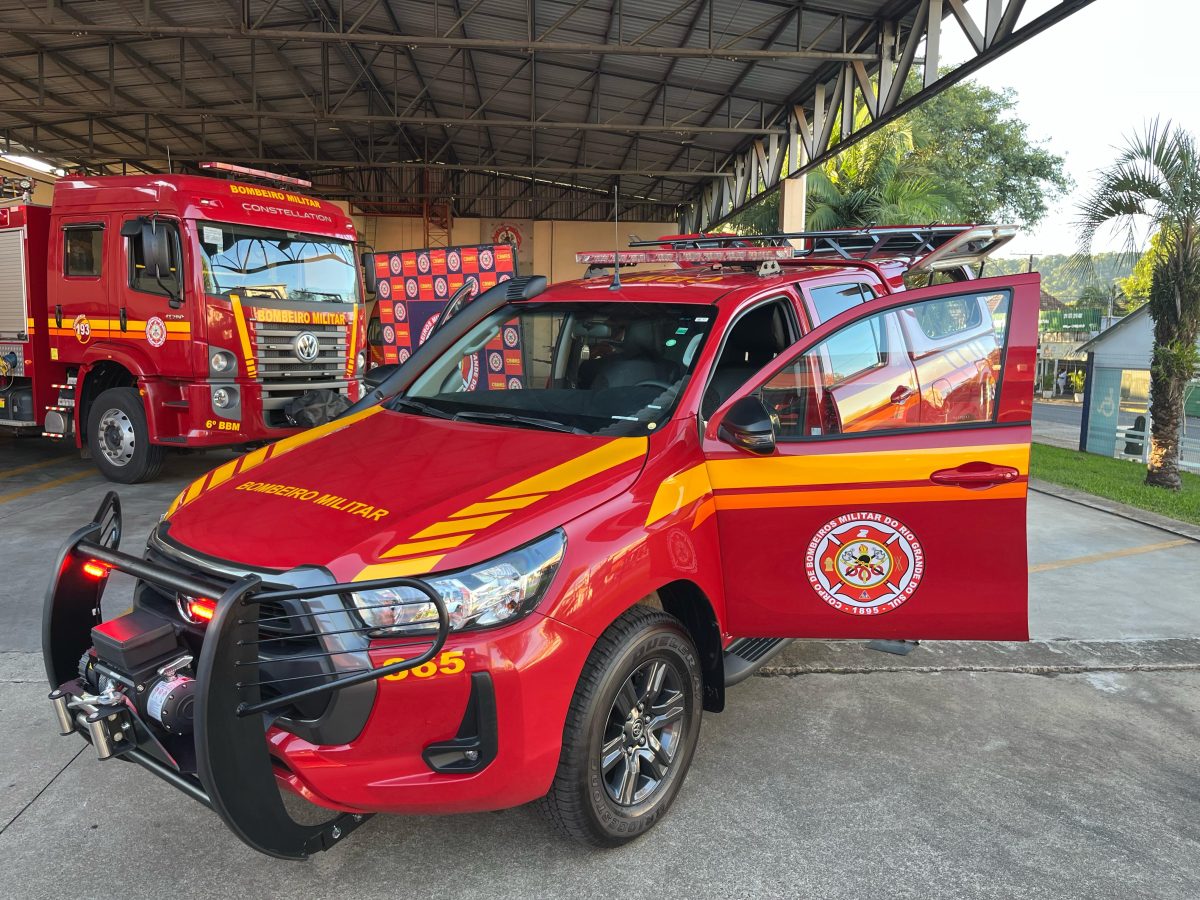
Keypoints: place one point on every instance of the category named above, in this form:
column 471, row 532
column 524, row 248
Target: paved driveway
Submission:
column 1057, row 769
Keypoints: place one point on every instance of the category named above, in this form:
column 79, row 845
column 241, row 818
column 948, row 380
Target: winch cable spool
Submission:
column 234, row 772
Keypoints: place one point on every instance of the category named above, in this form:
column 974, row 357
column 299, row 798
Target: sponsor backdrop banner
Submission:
column 414, row 286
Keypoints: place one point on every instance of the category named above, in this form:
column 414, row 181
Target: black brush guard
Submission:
column 233, row 772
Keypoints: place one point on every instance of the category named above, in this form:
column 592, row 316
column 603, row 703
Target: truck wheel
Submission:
column 119, row 438
column 630, row 732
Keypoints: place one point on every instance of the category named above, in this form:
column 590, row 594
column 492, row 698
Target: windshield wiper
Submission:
column 423, row 408
column 547, row 424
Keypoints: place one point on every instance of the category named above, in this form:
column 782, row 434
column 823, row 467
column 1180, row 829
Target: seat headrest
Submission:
column 640, row 337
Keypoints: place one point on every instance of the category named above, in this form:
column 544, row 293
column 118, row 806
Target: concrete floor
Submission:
column 1054, row 769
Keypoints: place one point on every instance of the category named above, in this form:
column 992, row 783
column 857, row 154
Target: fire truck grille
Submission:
column 285, row 376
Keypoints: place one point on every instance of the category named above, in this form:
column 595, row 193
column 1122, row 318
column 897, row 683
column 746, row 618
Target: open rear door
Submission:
column 893, row 502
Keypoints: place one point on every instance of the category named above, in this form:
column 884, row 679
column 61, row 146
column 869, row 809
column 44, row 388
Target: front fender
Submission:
column 161, row 420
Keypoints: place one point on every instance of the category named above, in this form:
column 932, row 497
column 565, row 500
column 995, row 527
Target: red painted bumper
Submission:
column 534, row 666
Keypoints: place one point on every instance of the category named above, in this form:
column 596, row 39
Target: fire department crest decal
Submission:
column 864, row 563
column 156, row 331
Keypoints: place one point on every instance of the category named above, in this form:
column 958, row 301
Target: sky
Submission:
column 1086, row 83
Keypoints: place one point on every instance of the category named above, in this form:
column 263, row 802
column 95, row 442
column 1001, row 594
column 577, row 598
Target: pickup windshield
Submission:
column 280, row 265
column 588, row 368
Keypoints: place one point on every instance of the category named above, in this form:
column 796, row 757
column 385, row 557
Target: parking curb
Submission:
column 1022, row 657
column 1144, row 517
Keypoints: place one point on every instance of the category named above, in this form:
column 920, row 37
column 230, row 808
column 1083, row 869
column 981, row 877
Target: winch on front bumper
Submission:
column 193, row 707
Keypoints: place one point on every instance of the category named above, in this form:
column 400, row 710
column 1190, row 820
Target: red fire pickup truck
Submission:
column 455, row 599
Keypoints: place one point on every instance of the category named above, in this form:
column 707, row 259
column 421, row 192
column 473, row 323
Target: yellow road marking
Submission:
column 37, row 465
column 45, row 486
column 1111, row 554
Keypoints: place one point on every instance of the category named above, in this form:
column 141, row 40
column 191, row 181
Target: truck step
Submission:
column 745, row 656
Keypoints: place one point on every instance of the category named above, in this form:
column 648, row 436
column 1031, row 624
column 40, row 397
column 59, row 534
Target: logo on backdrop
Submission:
column 384, row 288
column 511, row 337
column 389, row 334
column 507, row 233
column 496, row 361
column 864, row 564
column 156, row 331
column 423, row 263
column 395, row 264
column 453, row 261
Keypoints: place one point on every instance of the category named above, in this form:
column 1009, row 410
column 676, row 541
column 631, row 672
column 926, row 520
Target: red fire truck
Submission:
column 139, row 313
column 535, row 592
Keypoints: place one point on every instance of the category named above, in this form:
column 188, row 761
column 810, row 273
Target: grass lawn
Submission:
column 1116, row 479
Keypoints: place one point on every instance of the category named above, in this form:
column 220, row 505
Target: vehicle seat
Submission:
column 640, row 360
column 758, row 338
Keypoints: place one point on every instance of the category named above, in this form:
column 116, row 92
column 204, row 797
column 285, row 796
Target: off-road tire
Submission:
column 579, row 804
column 124, row 405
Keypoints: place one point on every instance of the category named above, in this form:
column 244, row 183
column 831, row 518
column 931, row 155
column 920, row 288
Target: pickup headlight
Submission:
column 491, row 593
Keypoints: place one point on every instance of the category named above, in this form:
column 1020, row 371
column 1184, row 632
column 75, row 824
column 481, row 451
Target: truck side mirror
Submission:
column 375, row 377
column 156, row 250
column 748, row 426
column 370, row 281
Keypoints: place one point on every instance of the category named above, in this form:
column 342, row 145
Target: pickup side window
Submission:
column 166, row 286
column 934, row 363
column 83, row 250
column 755, row 339
column 828, row 300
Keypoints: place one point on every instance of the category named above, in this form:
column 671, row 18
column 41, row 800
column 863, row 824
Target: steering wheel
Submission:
column 654, row 382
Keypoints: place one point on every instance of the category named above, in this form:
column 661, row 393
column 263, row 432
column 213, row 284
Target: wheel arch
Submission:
column 688, row 603
column 94, row 379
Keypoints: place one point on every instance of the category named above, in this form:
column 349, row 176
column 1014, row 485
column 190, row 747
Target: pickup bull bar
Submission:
column 231, row 771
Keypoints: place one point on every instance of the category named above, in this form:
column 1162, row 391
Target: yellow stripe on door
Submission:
column 858, row 468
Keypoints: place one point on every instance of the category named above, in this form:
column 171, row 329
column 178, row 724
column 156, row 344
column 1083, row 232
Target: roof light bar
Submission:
column 256, row 173
column 716, row 255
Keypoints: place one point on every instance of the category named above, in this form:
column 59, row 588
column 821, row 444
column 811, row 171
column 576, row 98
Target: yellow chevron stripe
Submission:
column 457, row 526
column 414, row 547
column 493, row 506
column 615, row 452
column 419, row 565
column 222, row 474
column 194, row 490
column 353, row 344
column 239, row 317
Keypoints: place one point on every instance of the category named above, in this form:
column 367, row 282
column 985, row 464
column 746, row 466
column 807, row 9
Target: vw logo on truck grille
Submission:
column 306, row 346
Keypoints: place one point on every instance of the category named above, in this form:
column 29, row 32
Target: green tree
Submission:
column 1137, row 286
column 875, row 182
column 1156, row 179
column 962, row 156
column 971, row 142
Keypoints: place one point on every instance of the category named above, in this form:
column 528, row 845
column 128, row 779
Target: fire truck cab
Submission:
column 487, row 597
column 140, row 313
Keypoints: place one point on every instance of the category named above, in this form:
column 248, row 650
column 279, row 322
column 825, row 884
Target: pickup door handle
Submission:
column 975, row 476
column 901, row 395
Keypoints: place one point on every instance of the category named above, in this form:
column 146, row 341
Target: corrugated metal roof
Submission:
column 265, row 83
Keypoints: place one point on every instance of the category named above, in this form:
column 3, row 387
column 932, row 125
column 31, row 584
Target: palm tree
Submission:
column 1154, row 184
column 875, row 182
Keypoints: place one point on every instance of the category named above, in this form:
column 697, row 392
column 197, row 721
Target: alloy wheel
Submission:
column 643, row 733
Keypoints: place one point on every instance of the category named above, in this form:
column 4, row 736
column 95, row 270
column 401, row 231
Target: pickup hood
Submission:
column 386, row 494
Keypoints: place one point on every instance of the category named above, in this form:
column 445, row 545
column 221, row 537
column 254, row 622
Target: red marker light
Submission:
column 202, row 609
column 93, row 569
